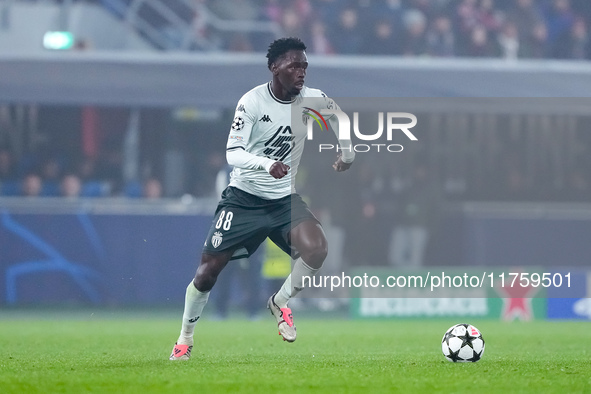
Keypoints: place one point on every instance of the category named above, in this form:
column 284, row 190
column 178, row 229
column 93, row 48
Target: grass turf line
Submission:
column 120, row 355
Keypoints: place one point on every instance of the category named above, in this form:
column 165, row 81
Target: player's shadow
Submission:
column 55, row 263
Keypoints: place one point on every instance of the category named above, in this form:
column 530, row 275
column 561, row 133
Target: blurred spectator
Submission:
column 329, row 11
column 87, row 169
column 487, row 16
column 303, row 8
column 429, row 8
column 415, row 43
column 201, row 29
column 7, row 167
column 293, row 25
column 152, row 188
column 318, row 41
column 51, row 172
column 363, row 247
column 70, row 186
column 480, row 44
column 109, row 165
column 32, row 185
column 509, row 41
column 535, row 44
column 579, row 41
column 559, row 22
column 419, row 216
column 273, row 10
column 440, row 38
column 382, row 41
column 374, row 10
column 525, row 16
column 467, row 16
column 439, row 28
column 50, row 169
column 346, row 37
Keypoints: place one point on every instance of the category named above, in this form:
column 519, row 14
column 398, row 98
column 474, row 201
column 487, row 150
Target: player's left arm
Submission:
column 340, row 165
column 345, row 159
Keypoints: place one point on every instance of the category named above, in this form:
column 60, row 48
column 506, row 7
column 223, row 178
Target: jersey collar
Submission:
column 275, row 98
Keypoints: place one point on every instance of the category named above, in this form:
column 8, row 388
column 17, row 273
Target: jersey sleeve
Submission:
column 346, row 146
column 242, row 124
column 244, row 120
column 328, row 103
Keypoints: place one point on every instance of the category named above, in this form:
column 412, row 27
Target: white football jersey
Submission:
column 262, row 126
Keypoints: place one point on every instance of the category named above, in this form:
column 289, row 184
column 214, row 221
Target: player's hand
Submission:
column 340, row 165
column 278, row 170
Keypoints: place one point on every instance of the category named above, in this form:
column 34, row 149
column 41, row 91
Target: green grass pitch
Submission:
column 117, row 353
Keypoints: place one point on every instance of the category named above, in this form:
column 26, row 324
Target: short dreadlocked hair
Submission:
column 281, row 46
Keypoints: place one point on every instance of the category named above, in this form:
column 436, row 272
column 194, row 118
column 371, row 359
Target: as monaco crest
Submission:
column 216, row 240
column 305, row 118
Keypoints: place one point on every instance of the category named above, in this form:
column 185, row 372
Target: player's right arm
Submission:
column 239, row 138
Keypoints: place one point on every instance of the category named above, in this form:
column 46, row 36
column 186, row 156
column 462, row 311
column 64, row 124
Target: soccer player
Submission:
column 260, row 201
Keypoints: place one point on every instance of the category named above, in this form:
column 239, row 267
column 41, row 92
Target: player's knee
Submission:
column 209, row 269
column 204, row 279
column 316, row 254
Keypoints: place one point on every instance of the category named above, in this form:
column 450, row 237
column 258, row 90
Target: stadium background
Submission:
column 137, row 103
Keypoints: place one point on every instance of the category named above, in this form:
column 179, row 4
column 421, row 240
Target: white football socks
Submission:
column 294, row 282
column 194, row 303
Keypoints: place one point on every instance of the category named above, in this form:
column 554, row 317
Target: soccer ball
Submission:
column 237, row 123
column 462, row 343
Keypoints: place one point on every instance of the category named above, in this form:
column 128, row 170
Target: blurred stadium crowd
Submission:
column 81, row 151
column 84, row 151
column 50, row 176
column 439, row 28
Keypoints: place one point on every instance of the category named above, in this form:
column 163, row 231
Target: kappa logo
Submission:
column 216, row 239
column 265, row 118
column 193, row 320
column 241, row 108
